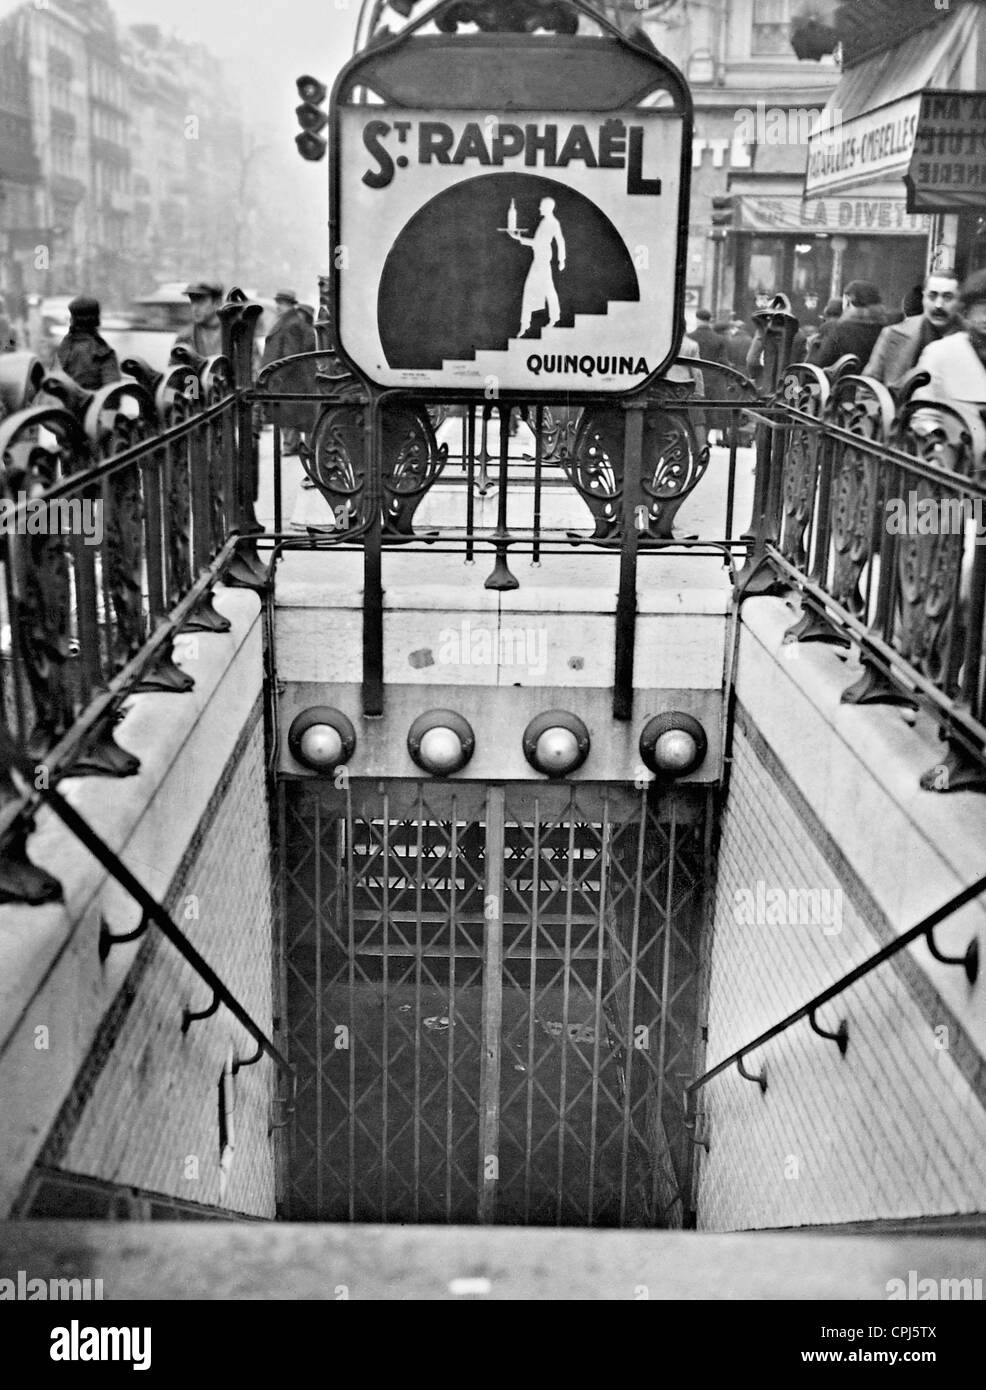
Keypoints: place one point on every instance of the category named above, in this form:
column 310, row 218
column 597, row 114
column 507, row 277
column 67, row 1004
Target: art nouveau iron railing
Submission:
column 121, row 510
column 872, row 505
column 167, row 465
column 374, row 456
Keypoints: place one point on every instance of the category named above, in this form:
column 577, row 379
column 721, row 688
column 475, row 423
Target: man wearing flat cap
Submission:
column 291, row 334
column 204, row 334
column 83, row 354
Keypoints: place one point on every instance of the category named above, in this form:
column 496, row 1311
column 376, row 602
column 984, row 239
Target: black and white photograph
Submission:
column 493, row 669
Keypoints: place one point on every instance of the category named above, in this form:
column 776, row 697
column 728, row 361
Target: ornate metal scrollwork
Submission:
column 177, row 399
column 929, row 558
column 117, row 418
column 41, row 600
column 595, row 468
column 215, row 384
column 806, row 389
column 559, row 429
column 438, row 414
column 412, row 461
column 335, row 462
column 864, row 408
column 673, row 465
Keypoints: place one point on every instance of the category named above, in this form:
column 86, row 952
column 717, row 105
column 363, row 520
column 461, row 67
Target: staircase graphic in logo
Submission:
column 615, row 335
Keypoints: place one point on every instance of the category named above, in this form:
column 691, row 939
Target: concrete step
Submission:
column 229, row 1260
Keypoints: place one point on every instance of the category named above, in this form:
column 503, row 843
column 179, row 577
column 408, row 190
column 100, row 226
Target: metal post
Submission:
column 373, row 569
column 492, row 1016
column 626, row 605
column 500, row 577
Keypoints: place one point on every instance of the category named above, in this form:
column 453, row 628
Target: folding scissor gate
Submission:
column 492, row 995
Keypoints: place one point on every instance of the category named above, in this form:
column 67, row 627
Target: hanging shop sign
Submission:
column 870, row 148
column 947, row 169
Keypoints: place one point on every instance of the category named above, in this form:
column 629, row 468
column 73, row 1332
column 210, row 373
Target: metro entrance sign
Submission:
column 534, row 251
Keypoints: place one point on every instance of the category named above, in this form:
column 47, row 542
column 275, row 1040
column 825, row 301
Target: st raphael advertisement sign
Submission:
column 537, row 253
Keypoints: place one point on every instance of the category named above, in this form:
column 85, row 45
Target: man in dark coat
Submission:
column 899, row 346
column 863, row 320
column 830, row 321
column 736, row 341
column 710, row 345
column 83, row 354
column 291, row 334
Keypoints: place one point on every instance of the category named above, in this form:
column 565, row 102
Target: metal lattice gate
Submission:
column 492, row 995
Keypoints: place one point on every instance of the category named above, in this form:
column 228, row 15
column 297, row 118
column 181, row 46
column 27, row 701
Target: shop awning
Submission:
column 868, row 131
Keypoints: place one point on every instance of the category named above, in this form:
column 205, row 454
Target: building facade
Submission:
column 749, row 90
column 757, row 107
column 20, row 170
column 122, row 154
column 911, row 104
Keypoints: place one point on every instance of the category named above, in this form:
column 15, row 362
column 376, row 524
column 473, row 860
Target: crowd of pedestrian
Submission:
column 940, row 329
column 85, row 356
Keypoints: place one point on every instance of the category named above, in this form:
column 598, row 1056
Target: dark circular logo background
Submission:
column 453, row 283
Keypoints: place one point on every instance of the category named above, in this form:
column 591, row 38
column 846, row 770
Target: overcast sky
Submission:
column 271, row 42
column 264, row 46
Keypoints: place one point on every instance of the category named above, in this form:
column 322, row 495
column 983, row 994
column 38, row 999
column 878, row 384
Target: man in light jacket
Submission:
column 899, row 346
column 957, row 363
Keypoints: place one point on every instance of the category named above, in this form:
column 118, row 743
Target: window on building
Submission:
column 771, row 28
column 59, row 65
column 766, row 272
column 63, row 154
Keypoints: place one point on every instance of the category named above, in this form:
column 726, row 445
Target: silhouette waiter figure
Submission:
column 539, row 287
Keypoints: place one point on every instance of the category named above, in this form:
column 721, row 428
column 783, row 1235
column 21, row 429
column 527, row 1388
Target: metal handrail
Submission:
column 926, row 927
column 11, row 758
